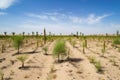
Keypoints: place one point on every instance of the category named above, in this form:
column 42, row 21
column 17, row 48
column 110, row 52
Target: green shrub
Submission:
column 92, row 59
column 22, row 58
column 116, row 41
column 103, row 50
column 98, row 66
column 59, row 49
column 18, row 41
column 45, row 50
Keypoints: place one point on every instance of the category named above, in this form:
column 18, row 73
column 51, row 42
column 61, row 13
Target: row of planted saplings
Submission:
column 85, row 45
column 22, row 58
column 18, row 41
column 59, row 51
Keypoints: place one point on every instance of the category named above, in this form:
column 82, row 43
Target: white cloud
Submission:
column 55, row 16
column 6, row 3
column 91, row 19
column 95, row 19
column 2, row 13
column 115, row 25
column 66, row 28
column 43, row 16
column 37, row 16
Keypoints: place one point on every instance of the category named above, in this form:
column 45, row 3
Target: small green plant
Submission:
column 83, row 47
column 103, row 52
column 68, row 53
column 59, row 49
column 113, row 61
column 116, row 41
column 104, row 46
column 1, row 75
column 45, row 50
column 3, row 48
column 92, row 59
column 104, row 49
column 73, row 43
column 98, row 66
column 18, row 42
column 22, row 58
column 37, row 44
column 85, row 43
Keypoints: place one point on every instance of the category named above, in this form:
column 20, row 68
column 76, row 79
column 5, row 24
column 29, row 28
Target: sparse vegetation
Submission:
column 3, row 48
column 45, row 37
column 45, row 50
column 116, row 41
column 22, row 59
column 59, row 49
column 85, row 43
column 1, row 75
column 98, row 66
column 73, row 43
column 62, row 49
column 103, row 49
column 18, row 42
column 92, row 59
column 83, row 47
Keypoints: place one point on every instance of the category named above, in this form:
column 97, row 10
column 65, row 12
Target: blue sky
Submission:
column 60, row 16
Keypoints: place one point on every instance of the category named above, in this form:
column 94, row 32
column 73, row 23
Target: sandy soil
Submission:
column 43, row 67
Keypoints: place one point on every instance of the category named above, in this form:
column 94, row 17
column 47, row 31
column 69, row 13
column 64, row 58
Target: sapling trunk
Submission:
column 59, row 49
column 68, row 54
column 44, row 36
column 22, row 64
column 22, row 58
column 104, row 46
column 85, row 43
column 83, row 47
column 3, row 48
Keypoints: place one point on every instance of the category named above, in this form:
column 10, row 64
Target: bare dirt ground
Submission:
column 37, row 65
column 43, row 67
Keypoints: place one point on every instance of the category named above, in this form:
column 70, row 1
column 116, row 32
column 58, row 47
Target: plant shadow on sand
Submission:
column 75, row 60
column 31, row 52
column 29, row 67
